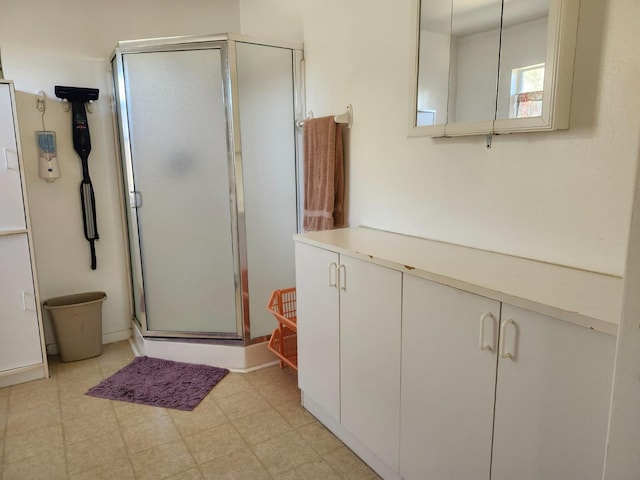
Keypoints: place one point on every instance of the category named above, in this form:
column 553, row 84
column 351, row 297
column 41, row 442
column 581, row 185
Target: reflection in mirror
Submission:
column 475, row 49
column 522, row 58
column 433, row 64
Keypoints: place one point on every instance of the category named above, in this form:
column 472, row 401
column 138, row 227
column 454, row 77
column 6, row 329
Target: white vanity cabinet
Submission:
column 448, row 382
column 318, row 312
column 465, row 356
column 432, row 360
column 22, row 355
column 552, row 399
column 349, row 346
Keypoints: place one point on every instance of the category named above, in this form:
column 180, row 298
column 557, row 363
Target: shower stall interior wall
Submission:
column 209, row 163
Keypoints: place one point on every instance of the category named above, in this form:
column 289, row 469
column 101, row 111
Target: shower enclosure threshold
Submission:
column 226, row 354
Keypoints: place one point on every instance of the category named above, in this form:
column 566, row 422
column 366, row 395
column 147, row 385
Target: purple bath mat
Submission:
column 160, row 383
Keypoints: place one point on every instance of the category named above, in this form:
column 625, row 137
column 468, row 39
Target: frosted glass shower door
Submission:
column 267, row 120
column 181, row 173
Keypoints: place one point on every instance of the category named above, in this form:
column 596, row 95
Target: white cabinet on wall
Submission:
column 349, row 345
column 21, row 340
column 432, row 360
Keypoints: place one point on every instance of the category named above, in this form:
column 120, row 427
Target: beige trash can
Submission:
column 77, row 321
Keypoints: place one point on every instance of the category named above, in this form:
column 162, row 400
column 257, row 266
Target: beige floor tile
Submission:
column 162, row 461
column 260, row 426
column 48, row 466
column 71, row 371
column 283, row 453
column 294, row 413
column 348, row 465
column 319, row 438
column 129, row 414
column 143, row 436
column 4, row 399
column 48, row 423
column 3, row 427
column 315, row 470
column 272, row 375
column 71, row 387
column 193, row 474
column 242, row 403
column 26, row 396
column 4, row 407
column 45, row 415
column 82, row 428
column 32, row 443
column 278, row 393
column 203, row 417
column 109, row 366
column 95, row 452
column 115, row 355
column 120, row 470
column 239, row 465
column 81, row 405
column 231, row 384
column 216, row 442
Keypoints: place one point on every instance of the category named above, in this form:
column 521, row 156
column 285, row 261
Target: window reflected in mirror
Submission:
column 527, row 84
column 522, row 58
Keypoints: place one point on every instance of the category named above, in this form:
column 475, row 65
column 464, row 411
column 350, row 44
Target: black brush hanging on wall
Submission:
column 82, row 145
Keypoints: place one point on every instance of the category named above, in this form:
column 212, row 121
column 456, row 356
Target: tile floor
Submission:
column 250, row 427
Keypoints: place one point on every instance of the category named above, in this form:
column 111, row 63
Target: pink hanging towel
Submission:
column 323, row 174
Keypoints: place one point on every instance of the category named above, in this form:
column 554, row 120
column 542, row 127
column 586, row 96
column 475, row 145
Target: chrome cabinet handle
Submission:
column 487, row 346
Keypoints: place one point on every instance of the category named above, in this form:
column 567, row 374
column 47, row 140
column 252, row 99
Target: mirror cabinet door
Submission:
column 493, row 66
column 434, row 62
column 523, row 59
column 475, row 48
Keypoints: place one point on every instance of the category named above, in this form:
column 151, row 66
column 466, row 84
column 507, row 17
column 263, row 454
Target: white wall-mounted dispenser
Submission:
column 49, row 168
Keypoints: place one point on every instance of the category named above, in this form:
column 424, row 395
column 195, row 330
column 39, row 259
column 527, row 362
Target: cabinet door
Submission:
column 448, row 382
column 318, row 327
column 19, row 333
column 370, row 310
column 552, row 399
column 12, row 210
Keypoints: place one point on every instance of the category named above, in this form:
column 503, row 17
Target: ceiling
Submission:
column 473, row 16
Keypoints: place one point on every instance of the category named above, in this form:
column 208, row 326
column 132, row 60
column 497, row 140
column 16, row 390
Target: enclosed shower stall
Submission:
column 209, row 163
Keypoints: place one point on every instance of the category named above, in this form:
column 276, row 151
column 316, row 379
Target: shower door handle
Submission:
column 135, row 200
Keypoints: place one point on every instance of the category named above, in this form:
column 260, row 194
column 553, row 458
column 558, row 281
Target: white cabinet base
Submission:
column 21, row 375
column 367, row 456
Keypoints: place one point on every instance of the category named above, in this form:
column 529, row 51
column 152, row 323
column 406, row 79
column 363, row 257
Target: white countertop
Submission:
column 585, row 298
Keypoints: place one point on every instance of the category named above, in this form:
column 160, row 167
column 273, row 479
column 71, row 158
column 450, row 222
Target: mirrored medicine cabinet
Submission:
column 492, row 66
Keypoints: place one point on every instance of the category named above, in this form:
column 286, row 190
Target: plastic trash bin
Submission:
column 77, row 322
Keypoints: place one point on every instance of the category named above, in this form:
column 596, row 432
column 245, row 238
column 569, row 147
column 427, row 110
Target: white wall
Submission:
column 561, row 197
column 272, row 19
column 68, row 42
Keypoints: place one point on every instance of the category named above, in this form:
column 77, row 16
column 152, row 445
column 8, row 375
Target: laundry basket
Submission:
column 284, row 339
